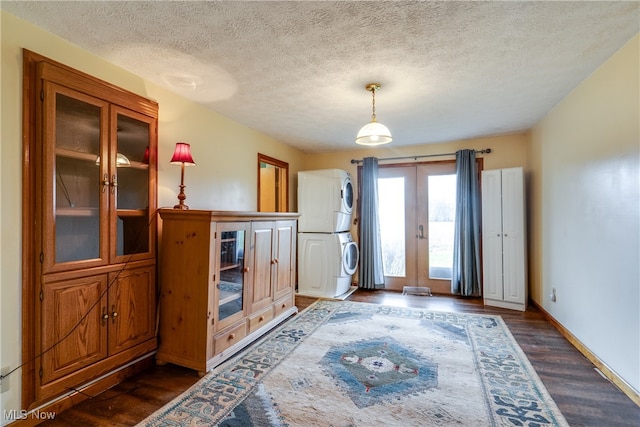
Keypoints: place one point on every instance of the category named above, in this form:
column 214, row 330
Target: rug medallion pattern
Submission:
column 342, row 363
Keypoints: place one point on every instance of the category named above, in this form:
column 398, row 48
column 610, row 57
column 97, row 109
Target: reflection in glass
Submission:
column 133, row 187
column 231, row 273
column 77, row 200
column 392, row 226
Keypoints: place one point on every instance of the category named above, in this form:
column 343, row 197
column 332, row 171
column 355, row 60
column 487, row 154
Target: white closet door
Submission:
column 513, row 236
column 492, row 234
column 504, row 238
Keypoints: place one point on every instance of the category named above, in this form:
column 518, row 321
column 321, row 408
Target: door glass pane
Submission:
column 77, row 178
column 231, row 273
column 132, row 166
column 442, row 211
column 392, row 225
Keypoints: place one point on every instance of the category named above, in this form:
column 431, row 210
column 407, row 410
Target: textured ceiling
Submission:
column 296, row 70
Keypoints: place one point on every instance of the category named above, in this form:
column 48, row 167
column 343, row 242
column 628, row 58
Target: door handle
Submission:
column 420, row 232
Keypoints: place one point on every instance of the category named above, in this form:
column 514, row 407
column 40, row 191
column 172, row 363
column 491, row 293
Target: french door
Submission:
column 417, row 212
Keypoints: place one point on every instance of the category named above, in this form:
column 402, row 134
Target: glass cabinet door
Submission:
column 230, row 299
column 75, row 130
column 131, row 157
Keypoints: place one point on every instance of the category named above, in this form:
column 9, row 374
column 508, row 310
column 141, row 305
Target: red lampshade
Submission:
column 182, row 154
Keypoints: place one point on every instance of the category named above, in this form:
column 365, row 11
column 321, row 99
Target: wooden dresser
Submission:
column 226, row 278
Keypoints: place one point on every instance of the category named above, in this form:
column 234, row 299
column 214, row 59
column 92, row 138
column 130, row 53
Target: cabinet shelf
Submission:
column 90, row 157
column 228, row 266
column 229, row 292
column 128, row 213
column 80, row 211
column 78, row 155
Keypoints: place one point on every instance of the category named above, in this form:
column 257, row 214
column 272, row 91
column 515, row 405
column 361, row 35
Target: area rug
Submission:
column 342, row 363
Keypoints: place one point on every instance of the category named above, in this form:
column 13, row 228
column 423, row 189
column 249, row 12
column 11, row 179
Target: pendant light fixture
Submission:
column 373, row 133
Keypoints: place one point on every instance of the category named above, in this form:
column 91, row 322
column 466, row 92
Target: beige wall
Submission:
column 585, row 172
column 225, row 152
column 507, row 151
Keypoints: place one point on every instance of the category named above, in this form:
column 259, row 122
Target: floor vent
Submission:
column 416, row 290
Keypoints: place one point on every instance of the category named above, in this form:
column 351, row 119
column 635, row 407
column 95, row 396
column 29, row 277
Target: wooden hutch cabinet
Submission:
column 92, row 186
column 226, row 278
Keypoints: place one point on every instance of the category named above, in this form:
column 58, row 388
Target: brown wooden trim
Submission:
column 202, row 215
column 610, row 374
column 262, row 158
column 28, row 227
column 57, row 72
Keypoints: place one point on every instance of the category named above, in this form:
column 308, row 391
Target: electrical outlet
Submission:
column 4, row 382
column 552, row 295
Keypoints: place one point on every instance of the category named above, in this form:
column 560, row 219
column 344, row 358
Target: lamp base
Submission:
column 181, row 198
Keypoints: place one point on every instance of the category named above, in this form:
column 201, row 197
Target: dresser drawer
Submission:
column 229, row 337
column 256, row 321
column 282, row 305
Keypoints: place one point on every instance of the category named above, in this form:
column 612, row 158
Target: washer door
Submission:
column 346, row 194
column 350, row 256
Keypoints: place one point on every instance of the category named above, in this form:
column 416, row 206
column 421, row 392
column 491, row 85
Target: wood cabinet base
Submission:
column 226, row 279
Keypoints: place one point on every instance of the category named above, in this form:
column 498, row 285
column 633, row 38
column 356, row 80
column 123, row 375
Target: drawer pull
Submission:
column 261, row 319
column 231, row 337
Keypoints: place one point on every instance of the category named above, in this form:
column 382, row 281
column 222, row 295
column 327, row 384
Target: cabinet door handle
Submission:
column 114, row 314
column 105, row 316
column 114, row 184
column 245, row 270
column 105, row 182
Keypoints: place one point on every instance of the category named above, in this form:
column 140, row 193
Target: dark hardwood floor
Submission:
column 584, row 396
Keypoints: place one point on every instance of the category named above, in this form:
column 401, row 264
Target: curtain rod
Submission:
column 483, row 151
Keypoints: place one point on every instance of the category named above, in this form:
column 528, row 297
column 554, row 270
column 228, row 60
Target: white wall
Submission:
column 225, row 151
column 586, row 207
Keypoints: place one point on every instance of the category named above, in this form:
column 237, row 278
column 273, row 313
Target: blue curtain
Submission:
column 371, row 274
column 465, row 278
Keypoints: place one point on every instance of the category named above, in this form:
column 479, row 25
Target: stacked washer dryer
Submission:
column 327, row 255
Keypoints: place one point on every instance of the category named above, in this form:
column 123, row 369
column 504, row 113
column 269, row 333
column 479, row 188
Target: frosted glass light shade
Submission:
column 374, row 133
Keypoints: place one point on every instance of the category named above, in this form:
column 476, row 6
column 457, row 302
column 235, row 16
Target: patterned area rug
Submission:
column 341, row 363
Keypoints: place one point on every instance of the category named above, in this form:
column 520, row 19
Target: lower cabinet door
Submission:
column 131, row 308
column 73, row 330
